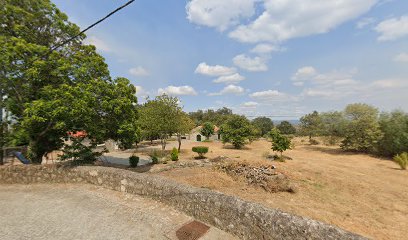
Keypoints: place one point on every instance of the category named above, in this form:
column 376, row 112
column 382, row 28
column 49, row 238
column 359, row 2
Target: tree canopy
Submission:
column 238, row 131
column 286, row 127
column 163, row 117
column 311, row 124
column 217, row 117
column 264, row 124
column 363, row 130
column 52, row 92
column 207, row 130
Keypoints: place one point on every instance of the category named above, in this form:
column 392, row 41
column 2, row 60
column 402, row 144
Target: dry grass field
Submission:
column 357, row 192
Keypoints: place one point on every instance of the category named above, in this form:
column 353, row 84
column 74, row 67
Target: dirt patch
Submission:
column 358, row 192
column 264, row 176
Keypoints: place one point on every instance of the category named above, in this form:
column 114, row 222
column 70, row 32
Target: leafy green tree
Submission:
column 311, row 124
column 160, row 117
column 264, row 124
column 286, row 127
column 363, row 130
column 394, row 125
column 334, row 123
column 238, row 131
column 207, row 130
column 104, row 110
column 280, row 143
column 43, row 89
column 217, row 117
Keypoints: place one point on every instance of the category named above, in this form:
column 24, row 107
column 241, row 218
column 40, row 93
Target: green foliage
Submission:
column 133, row 161
column 238, row 131
column 68, row 89
column 217, row 117
column 184, row 126
column 78, row 153
column 174, row 154
column 280, row 143
column 286, row 127
column 363, row 130
column 264, row 124
column 311, row 124
column 394, row 126
column 201, row 150
column 402, row 160
column 155, row 159
column 160, row 117
column 207, row 130
column 334, row 124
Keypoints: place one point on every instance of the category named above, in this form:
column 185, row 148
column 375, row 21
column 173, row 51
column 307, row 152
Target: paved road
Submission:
column 86, row 212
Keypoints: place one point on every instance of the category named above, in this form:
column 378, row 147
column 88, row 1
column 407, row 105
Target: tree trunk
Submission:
column 2, row 135
column 163, row 143
column 35, row 152
column 179, row 142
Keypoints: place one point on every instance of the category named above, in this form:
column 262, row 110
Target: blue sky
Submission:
column 259, row 57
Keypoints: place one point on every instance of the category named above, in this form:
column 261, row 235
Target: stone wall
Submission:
column 244, row 219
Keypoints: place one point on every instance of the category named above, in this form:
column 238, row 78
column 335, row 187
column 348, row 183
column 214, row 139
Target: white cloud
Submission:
column 219, row 14
column 304, row 73
column 256, row 64
column 138, row 71
column 217, row 70
column 269, row 95
column 141, row 92
column 390, row 83
column 331, row 79
column 264, row 48
column 318, row 93
column 98, row 43
column 402, row 57
column 250, row 104
column 234, row 78
column 286, row 19
column 230, row 89
column 392, row 29
column 364, row 22
column 178, row 91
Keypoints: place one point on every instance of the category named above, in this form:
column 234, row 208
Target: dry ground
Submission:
column 357, row 192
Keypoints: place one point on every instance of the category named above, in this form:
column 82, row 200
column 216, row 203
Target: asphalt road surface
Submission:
column 61, row 211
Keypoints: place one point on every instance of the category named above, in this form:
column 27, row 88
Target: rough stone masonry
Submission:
column 244, row 219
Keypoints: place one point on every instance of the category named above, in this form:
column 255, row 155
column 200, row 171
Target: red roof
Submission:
column 77, row 134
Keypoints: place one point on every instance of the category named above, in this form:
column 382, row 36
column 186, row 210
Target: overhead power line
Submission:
column 91, row 26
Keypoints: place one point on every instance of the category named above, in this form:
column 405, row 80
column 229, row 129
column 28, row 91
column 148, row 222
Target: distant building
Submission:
column 195, row 134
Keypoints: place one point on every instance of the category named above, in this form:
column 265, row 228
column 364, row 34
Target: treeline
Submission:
column 360, row 127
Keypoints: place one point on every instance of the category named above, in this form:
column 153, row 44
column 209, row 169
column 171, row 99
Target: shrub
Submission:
column 402, row 160
column 280, row 143
column 133, row 161
column 313, row 141
column 174, row 154
column 201, row 150
column 155, row 159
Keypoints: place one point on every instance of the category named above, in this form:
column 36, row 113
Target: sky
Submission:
column 276, row 58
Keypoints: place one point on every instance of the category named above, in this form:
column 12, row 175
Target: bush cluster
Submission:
column 402, row 160
column 133, row 161
column 201, row 150
column 174, row 154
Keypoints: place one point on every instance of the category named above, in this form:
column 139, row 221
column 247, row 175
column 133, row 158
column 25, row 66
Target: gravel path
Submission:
column 86, row 212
